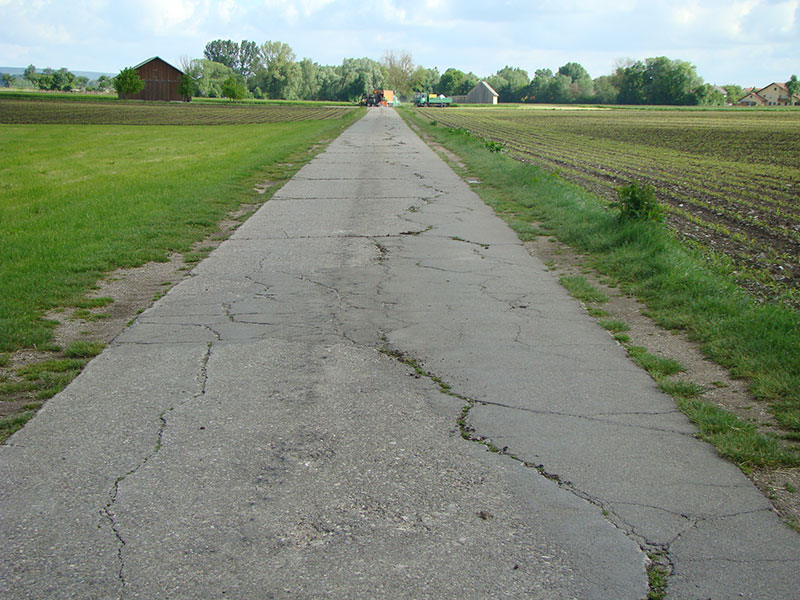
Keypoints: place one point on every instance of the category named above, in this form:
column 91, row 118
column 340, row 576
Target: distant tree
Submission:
column 224, row 52
column 670, row 81
column 81, row 82
column 233, row 88
column 399, row 71
column 455, row 82
column 276, row 72
column 208, row 75
column 707, row 95
column 424, row 80
column 104, row 83
column 581, row 88
column 451, row 81
column 30, row 74
column 561, row 89
column 309, row 86
column 188, row 87
column 793, row 85
column 539, row 88
column 7, row 79
column 735, row 93
column 44, row 80
column 247, row 59
column 605, row 90
column 630, row 79
column 128, row 82
column 359, row 76
column 574, row 71
column 510, row 82
column 61, row 80
column 329, row 79
column 469, row 82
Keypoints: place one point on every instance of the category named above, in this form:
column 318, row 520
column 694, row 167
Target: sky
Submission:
column 744, row 42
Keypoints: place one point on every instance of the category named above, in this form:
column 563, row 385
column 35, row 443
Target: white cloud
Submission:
column 294, row 10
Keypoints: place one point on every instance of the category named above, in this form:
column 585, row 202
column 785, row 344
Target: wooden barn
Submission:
column 161, row 81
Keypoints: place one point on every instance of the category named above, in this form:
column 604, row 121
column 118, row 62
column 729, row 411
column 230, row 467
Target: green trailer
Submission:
column 422, row 99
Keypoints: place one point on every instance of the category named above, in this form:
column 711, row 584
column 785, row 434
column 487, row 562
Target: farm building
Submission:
column 161, row 81
column 774, row 94
column 480, row 94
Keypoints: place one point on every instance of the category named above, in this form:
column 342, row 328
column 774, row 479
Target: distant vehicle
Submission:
column 378, row 98
column 423, row 99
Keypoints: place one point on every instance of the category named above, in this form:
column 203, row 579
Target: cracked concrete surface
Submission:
column 246, row 438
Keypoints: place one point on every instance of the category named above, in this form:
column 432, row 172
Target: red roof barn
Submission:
column 161, row 81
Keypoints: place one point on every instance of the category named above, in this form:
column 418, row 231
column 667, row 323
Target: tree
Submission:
column 451, row 81
column 454, row 82
column 605, row 90
column 630, row 80
column 7, row 79
column 247, row 59
column 581, row 88
column 30, row 74
column 209, row 76
column 574, row 71
column 224, row 52
column 276, row 74
column 735, row 93
column 510, row 83
column 188, row 87
column 560, row 89
column 469, row 82
column 309, row 80
column 670, row 81
column 707, row 95
column 61, row 80
column 539, row 88
column 793, row 85
column 128, row 82
column 399, row 70
column 329, row 79
column 104, row 83
column 359, row 76
column 233, row 88
column 424, row 80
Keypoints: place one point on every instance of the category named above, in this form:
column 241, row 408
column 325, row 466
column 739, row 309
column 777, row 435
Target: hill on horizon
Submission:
column 91, row 75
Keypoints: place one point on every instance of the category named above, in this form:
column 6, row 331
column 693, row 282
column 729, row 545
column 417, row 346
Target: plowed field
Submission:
column 49, row 111
column 729, row 179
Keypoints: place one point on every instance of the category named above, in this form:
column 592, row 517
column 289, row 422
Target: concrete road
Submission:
column 248, row 438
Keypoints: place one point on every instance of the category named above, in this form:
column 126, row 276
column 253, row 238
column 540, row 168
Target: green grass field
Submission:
column 78, row 200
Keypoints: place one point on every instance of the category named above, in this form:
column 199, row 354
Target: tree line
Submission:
column 271, row 70
column 60, row 80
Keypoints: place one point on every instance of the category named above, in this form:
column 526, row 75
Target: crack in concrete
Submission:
column 658, row 555
column 594, row 418
column 107, row 512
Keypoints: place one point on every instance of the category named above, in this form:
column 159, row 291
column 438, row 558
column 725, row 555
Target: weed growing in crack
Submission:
column 657, row 576
column 465, row 430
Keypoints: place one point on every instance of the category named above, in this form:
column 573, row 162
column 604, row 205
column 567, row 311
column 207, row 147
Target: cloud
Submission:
column 167, row 18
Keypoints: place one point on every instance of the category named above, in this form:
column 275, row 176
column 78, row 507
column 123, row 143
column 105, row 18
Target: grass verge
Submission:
column 756, row 341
